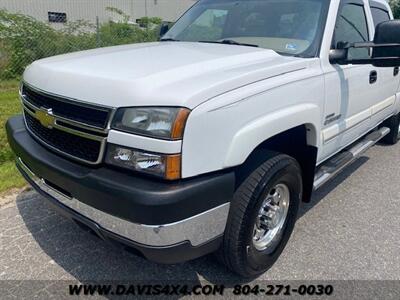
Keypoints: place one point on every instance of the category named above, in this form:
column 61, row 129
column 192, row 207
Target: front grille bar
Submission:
column 71, row 127
column 31, row 106
column 101, row 150
column 31, row 109
column 62, row 107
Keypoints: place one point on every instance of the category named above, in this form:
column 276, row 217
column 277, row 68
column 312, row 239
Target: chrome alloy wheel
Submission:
column 271, row 217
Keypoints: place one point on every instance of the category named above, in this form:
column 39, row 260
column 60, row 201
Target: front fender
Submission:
column 256, row 132
column 224, row 131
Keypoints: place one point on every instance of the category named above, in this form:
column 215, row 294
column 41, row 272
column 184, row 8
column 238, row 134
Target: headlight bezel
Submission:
column 176, row 128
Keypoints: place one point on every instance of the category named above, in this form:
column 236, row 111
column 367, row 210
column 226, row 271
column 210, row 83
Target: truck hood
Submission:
column 167, row 73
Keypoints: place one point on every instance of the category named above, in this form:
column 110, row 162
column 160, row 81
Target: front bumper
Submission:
column 167, row 222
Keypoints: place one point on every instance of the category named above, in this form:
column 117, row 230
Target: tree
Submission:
column 395, row 4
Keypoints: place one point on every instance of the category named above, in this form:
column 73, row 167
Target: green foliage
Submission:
column 10, row 177
column 395, row 4
column 9, row 105
column 113, row 33
column 124, row 32
column 24, row 39
column 147, row 22
column 20, row 37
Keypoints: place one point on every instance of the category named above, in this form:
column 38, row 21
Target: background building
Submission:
column 58, row 12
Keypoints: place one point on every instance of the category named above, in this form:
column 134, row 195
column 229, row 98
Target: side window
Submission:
column 207, row 27
column 379, row 15
column 352, row 27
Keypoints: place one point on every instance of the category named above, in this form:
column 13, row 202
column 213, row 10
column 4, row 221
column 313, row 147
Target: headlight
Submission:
column 161, row 165
column 158, row 122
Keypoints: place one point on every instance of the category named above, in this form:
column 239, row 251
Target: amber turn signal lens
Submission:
column 173, row 167
column 179, row 124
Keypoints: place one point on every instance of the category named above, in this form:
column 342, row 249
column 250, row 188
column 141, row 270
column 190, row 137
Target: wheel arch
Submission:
column 299, row 142
column 278, row 122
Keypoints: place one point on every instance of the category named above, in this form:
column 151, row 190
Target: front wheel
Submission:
column 262, row 216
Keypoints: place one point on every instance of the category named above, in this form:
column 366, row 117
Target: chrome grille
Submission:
column 65, row 126
column 85, row 114
column 73, row 145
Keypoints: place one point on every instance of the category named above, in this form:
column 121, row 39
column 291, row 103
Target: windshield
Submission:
column 289, row 27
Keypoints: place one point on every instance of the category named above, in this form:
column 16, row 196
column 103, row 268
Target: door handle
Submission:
column 396, row 71
column 373, row 77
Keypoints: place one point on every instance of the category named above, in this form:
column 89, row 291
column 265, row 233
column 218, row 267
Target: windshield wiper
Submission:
column 169, row 40
column 229, row 42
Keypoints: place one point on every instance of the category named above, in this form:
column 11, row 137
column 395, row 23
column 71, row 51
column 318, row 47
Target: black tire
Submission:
column 238, row 252
column 393, row 124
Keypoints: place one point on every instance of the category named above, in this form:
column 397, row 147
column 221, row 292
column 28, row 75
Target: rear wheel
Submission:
column 393, row 124
column 262, row 216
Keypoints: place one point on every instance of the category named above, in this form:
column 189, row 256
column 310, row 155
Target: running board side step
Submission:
column 334, row 165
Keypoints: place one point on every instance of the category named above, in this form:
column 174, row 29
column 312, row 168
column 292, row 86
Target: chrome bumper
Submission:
column 198, row 229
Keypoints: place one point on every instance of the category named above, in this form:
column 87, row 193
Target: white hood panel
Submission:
column 167, row 73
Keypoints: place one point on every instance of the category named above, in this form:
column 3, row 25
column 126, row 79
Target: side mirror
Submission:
column 338, row 56
column 387, row 33
column 386, row 48
column 164, row 28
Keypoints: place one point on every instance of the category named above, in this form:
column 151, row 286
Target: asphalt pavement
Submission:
column 350, row 231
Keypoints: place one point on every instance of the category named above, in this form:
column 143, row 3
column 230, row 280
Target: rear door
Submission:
column 388, row 78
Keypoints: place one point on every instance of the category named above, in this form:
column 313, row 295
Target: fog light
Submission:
column 162, row 165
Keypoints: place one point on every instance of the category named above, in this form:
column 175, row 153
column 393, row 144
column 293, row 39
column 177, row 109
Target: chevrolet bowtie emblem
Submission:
column 45, row 117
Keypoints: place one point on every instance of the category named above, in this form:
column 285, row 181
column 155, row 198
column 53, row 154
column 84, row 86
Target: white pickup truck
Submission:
column 208, row 140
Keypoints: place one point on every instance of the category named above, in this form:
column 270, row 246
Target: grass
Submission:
column 9, row 106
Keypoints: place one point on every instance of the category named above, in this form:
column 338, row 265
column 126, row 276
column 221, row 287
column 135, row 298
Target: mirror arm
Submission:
column 365, row 45
column 385, row 46
column 371, row 60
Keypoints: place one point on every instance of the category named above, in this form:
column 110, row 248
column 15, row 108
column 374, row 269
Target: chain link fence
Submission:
column 34, row 29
